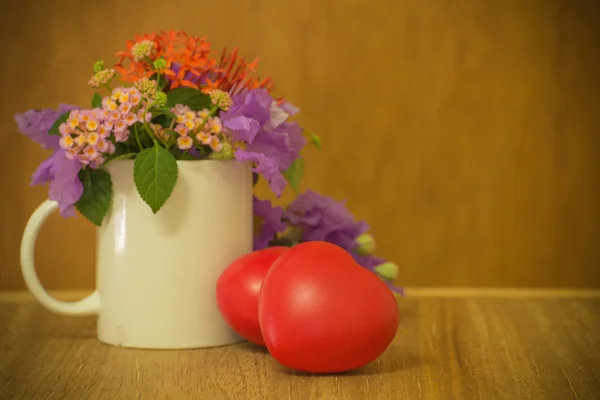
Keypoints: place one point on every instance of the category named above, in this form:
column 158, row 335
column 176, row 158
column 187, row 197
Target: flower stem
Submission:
column 137, row 137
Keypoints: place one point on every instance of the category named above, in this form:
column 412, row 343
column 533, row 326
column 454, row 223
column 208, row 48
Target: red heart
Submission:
column 238, row 288
column 320, row 312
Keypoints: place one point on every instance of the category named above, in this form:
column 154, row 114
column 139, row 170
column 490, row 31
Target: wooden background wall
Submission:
column 466, row 132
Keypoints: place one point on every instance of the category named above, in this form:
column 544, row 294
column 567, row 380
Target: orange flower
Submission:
column 187, row 62
column 232, row 75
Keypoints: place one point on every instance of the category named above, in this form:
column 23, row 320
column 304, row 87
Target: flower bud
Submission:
column 160, row 99
column 388, row 270
column 98, row 66
column 160, row 63
column 226, row 153
column 220, row 99
column 366, row 244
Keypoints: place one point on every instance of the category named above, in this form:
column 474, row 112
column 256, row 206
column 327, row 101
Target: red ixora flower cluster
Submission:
column 187, row 61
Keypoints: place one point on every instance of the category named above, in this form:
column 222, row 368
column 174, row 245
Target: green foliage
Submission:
column 97, row 194
column 155, row 175
column 96, row 100
column 54, row 128
column 162, row 120
column 294, row 174
column 193, row 98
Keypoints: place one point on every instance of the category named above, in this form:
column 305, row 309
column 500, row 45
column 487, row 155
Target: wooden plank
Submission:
column 446, row 348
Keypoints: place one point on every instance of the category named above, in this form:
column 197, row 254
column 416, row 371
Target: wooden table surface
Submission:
column 450, row 345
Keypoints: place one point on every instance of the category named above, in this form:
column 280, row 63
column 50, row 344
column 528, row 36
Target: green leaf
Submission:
column 294, row 174
column 97, row 194
column 155, row 175
column 162, row 120
column 54, row 129
column 193, row 98
column 96, row 100
column 315, row 140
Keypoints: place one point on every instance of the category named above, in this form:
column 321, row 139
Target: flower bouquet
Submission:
column 163, row 162
column 170, row 98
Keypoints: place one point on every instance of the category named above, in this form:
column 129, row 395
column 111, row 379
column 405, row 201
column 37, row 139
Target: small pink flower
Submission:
column 97, row 162
column 144, row 115
column 102, row 145
column 181, row 129
column 90, row 152
column 203, row 137
column 184, row 142
column 70, row 154
column 64, row 129
column 114, row 115
column 109, row 104
column 204, row 114
column 125, row 108
column 216, row 144
column 124, row 97
column 215, row 125
column 82, row 158
column 135, row 96
column 99, row 113
column 134, row 99
column 80, row 140
column 91, row 124
column 189, row 124
column 73, row 121
column 116, row 93
column 131, row 119
column 92, row 139
column 103, row 131
column 122, row 136
column 111, row 148
column 66, row 142
column 119, row 125
column 180, row 108
column 85, row 115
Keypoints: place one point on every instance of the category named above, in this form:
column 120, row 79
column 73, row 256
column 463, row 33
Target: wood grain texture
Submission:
column 446, row 348
column 466, row 133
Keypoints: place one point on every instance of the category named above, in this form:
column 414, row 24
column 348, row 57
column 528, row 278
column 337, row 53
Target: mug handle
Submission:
column 87, row 306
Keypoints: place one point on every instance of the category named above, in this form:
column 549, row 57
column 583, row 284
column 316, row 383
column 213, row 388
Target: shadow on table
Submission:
column 395, row 359
column 252, row 348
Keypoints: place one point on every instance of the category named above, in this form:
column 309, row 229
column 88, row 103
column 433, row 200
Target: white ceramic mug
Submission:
column 156, row 273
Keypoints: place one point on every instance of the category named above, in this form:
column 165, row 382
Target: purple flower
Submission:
column 250, row 110
column 267, row 222
column 63, row 174
column 322, row 218
column 35, row 124
column 271, row 143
